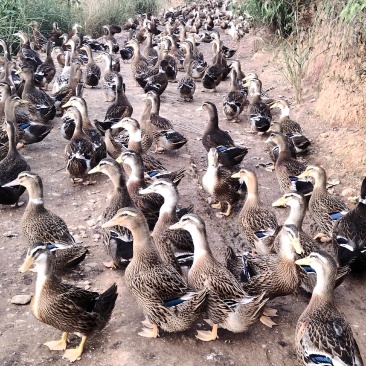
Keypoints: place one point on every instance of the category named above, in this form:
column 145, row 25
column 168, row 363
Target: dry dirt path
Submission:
column 22, row 336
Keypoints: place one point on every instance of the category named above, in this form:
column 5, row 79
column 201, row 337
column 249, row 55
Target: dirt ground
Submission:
column 22, row 336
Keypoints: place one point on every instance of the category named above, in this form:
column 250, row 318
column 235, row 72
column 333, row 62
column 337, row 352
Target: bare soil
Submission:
column 340, row 151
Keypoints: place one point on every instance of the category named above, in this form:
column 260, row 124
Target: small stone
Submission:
column 324, row 135
column 21, row 299
column 87, row 287
column 78, row 239
column 185, row 156
column 82, row 227
column 86, row 282
column 348, row 192
column 93, row 264
column 96, row 236
column 10, row 234
column 91, row 222
column 84, row 235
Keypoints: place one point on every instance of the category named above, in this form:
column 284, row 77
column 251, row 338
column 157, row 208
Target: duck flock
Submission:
column 163, row 251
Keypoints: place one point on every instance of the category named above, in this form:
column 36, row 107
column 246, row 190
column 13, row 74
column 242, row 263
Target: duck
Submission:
column 306, row 244
column 66, row 92
column 288, row 125
column 64, row 78
column 288, row 169
column 110, row 31
column 134, row 143
column 108, row 75
column 213, row 74
column 157, row 121
column 187, row 85
column 41, row 105
column 172, row 245
column 258, row 223
column 38, row 223
column 92, row 73
column 259, row 112
column 116, row 66
column 167, row 140
column 119, row 109
column 150, row 52
column 80, row 152
column 10, row 167
column 176, row 52
column 273, row 149
column 6, row 76
column 171, row 67
column 139, row 64
column 274, row 274
column 27, row 56
column 46, row 71
column 219, row 184
column 148, row 204
column 323, row 334
column 65, row 307
column 297, row 141
column 158, row 288
column 146, row 126
column 117, row 240
column 229, row 154
column 158, row 82
column 55, row 35
column 207, row 272
column 235, row 100
column 325, row 209
column 197, row 67
column 349, row 232
column 88, row 128
column 39, row 40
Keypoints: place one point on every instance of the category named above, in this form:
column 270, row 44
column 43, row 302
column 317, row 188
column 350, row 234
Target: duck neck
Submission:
column 83, row 109
column 142, row 243
column 213, row 121
column 108, row 66
column 12, row 145
column 90, row 55
column 35, row 192
column 10, row 110
column 155, row 105
column 296, row 215
column 285, row 113
column 252, row 196
column 145, row 116
column 283, row 145
column 134, row 143
column 201, row 247
column 320, row 182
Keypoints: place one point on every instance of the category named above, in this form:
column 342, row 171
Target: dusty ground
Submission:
column 22, row 336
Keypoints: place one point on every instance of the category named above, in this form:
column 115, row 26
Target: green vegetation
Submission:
column 15, row 15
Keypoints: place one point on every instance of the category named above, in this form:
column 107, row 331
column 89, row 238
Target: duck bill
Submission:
column 281, row 202
column 94, row 170
column 26, row 264
column 274, row 105
column 303, row 174
column 23, row 101
column 297, row 245
column 112, row 222
column 246, row 84
column 67, row 104
column 13, row 183
column 175, row 226
column 236, row 175
column 119, row 160
column 268, row 140
column 303, row 262
column 18, row 72
column 199, row 109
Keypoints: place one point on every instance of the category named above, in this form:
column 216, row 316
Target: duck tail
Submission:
column 105, row 302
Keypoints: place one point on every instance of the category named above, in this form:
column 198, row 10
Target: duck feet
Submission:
column 216, row 205
column 75, row 353
column 153, row 332
column 207, row 336
column 267, row 321
column 59, row 345
column 110, row 264
column 147, row 324
column 269, row 311
column 322, row 237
